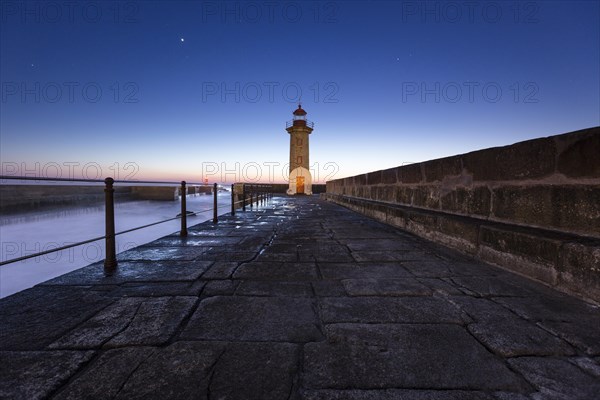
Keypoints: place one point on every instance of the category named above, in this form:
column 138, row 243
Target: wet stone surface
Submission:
column 297, row 299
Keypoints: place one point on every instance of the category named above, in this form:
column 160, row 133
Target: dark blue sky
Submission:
column 87, row 89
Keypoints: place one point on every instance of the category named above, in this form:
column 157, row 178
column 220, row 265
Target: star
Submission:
column 182, row 40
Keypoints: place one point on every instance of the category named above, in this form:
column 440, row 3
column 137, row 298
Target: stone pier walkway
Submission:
column 301, row 299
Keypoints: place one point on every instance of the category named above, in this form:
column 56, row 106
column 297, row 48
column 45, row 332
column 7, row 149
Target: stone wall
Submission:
column 17, row 198
column 23, row 198
column 532, row 207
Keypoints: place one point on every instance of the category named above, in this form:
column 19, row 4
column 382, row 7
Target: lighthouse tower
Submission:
column 299, row 129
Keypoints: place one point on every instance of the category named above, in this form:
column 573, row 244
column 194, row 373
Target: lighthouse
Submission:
column 299, row 129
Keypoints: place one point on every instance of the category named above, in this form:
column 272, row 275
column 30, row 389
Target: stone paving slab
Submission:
column 163, row 253
column 395, row 394
column 132, row 271
column 277, row 271
column 33, row 320
column 298, row 299
column 130, row 322
column 385, row 287
column 390, row 309
column 36, row 374
column 107, row 374
column 582, row 334
column 436, row 356
column 254, row 319
column 274, row 289
column 363, row 270
column 255, row 371
column 557, row 378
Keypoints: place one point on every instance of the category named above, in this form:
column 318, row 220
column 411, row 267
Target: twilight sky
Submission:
column 192, row 90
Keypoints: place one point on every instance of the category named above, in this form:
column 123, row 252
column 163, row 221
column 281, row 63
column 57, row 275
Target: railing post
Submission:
column 232, row 200
column 110, row 261
column 251, row 195
column 243, row 197
column 215, row 219
column 183, row 231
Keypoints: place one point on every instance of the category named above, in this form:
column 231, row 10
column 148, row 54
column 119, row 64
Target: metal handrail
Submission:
column 110, row 262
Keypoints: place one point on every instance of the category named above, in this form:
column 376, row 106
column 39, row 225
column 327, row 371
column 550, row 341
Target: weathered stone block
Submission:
column 274, row 289
column 360, row 180
column 374, row 178
column 147, row 253
column 263, row 371
column 516, row 337
column 376, row 193
column 389, row 176
column 437, row 170
column 224, row 287
column 375, row 210
column 130, row 321
column 573, row 207
column 464, row 232
column 35, row 317
column 429, row 269
column 277, row 271
column 425, row 356
column 469, row 201
column 536, row 248
column 556, row 308
column 155, row 321
column 107, row 374
column 557, row 378
column 370, row 310
column 404, row 195
column 427, row 197
column 579, row 154
column 396, row 217
column 427, row 221
column 363, row 270
column 400, row 394
column 385, row 287
column 278, row 319
column 387, row 193
column 36, row 374
column 525, row 253
column 524, row 160
column 179, row 371
column 412, row 173
column 579, row 268
column 584, row 334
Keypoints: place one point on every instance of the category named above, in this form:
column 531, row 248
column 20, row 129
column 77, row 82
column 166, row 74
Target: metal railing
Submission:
column 263, row 193
column 289, row 124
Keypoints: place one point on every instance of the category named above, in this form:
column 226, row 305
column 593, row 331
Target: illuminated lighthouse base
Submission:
column 300, row 182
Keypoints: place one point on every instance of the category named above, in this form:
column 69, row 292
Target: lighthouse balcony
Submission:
column 299, row 122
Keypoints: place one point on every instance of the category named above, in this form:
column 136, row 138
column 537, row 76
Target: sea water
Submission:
column 32, row 232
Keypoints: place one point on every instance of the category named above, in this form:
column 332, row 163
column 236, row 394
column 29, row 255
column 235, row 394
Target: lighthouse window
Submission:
column 298, row 141
column 299, row 159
